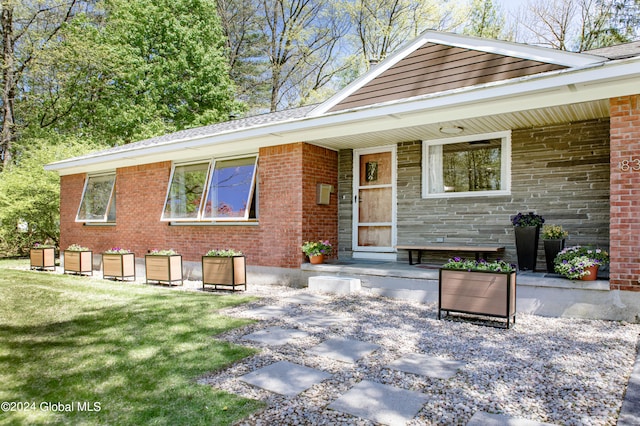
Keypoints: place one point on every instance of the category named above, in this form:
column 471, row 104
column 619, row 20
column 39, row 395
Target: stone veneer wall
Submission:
column 559, row 171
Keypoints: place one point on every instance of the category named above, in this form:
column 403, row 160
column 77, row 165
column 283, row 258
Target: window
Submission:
column 224, row 191
column 231, row 189
column 186, row 191
column 98, row 199
column 467, row 166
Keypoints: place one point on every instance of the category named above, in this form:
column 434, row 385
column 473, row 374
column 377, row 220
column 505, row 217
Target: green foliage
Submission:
column 485, row 20
column 224, row 253
column 462, row 264
column 30, row 196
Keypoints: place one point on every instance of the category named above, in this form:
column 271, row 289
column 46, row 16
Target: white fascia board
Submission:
column 616, row 78
column 523, row 51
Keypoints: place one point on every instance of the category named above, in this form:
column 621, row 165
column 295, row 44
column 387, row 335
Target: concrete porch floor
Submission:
column 537, row 292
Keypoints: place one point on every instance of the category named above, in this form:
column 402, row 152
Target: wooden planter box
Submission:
column 79, row 262
column 163, row 268
column 479, row 293
column 228, row 271
column 43, row 258
column 119, row 265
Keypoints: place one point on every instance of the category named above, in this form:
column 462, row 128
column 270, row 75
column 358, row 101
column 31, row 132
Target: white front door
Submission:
column 374, row 207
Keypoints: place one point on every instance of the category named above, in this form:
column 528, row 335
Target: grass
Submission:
column 131, row 353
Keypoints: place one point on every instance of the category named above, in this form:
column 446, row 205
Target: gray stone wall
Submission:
column 560, row 172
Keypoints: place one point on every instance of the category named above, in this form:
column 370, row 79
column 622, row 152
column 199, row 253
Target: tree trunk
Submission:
column 8, row 89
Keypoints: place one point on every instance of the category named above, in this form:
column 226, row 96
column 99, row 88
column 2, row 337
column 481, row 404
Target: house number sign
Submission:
column 632, row 164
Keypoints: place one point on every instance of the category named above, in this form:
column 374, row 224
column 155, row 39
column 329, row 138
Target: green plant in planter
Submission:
column 163, row 252
column 224, row 253
column 527, row 219
column 316, row 248
column 117, row 250
column 573, row 262
column 77, row 247
column 462, row 264
column 553, row 232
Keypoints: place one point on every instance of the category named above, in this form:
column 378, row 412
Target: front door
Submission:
column 374, row 209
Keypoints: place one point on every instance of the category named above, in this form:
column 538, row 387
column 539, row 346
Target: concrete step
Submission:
column 333, row 284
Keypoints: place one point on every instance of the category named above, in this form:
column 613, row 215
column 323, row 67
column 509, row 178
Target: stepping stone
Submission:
column 344, row 349
column 267, row 312
column 428, row 366
column 380, row 403
column 276, row 336
column 305, row 299
column 320, row 320
column 480, row 418
column 285, row 378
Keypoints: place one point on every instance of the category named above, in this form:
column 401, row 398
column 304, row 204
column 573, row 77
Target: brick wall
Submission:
column 625, row 193
column 285, row 215
column 560, row 171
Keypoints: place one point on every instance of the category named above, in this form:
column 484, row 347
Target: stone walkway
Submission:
column 311, row 370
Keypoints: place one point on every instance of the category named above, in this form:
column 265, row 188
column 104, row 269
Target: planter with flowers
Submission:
column 580, row 263
column 553, row 237
column 527, row 233
column 317, row 250
column 227, row 268
column 78, row 259
column 42, row 257
column 478, row 287
column 118, row 263
column 163, row 266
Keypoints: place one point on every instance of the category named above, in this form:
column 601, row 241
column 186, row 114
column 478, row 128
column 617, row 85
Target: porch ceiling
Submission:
column 486, row 124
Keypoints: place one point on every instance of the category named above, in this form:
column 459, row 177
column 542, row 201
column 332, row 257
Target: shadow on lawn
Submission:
column 133, row 362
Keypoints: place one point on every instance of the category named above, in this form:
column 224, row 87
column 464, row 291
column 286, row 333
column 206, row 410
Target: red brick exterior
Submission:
column 625, row 193
column 285, row 214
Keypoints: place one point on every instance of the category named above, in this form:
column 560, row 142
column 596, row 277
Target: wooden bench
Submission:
column 479, row 251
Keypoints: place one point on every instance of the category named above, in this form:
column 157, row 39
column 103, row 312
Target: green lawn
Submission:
column 129, row 352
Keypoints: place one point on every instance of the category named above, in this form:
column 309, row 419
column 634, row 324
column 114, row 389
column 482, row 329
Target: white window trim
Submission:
column 204, row 192
column 208, row 221
column 105, row 218
column 251, row 192
column 505, row 172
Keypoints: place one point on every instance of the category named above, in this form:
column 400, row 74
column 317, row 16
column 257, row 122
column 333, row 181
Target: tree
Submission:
column 485, row 20
column 381, row 26
column 27, row 26
column 30, row 196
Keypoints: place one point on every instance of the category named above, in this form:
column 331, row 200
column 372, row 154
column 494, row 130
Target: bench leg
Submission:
column 410, row 258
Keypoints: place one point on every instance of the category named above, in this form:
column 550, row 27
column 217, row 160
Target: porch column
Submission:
column 625, row 193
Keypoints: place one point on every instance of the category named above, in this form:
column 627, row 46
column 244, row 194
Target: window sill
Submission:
column 220, row 223
column 99, row 224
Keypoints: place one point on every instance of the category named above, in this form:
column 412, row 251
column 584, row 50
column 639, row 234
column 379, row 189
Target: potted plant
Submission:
column 78, row 259
column 478, row 287
column 163, row 266
column 42, row 256
column 224, row 268
column 553, row 237
column 317, row 250
column 580, row 263
column 118, row 263
column 527, row 233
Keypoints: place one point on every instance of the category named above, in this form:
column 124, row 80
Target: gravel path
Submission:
column 561, row 371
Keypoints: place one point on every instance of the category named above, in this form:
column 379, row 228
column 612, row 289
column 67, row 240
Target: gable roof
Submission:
column 576, row 87
column 436, row 61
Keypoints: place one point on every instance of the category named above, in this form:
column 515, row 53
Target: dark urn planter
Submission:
column 551, row 250
column 527, row 238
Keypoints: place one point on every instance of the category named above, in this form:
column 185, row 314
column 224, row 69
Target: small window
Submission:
column 467, row 166
column 231, row 189
column 98, row 199
column 186, row 191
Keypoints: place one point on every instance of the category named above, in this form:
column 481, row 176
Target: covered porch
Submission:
column 538, row 293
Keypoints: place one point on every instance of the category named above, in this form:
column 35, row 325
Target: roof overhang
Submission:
column 337, row 130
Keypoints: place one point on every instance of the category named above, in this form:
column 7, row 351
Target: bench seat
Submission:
column 479, row 251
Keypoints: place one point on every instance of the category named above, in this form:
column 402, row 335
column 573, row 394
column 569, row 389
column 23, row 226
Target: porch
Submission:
column 538, row 293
